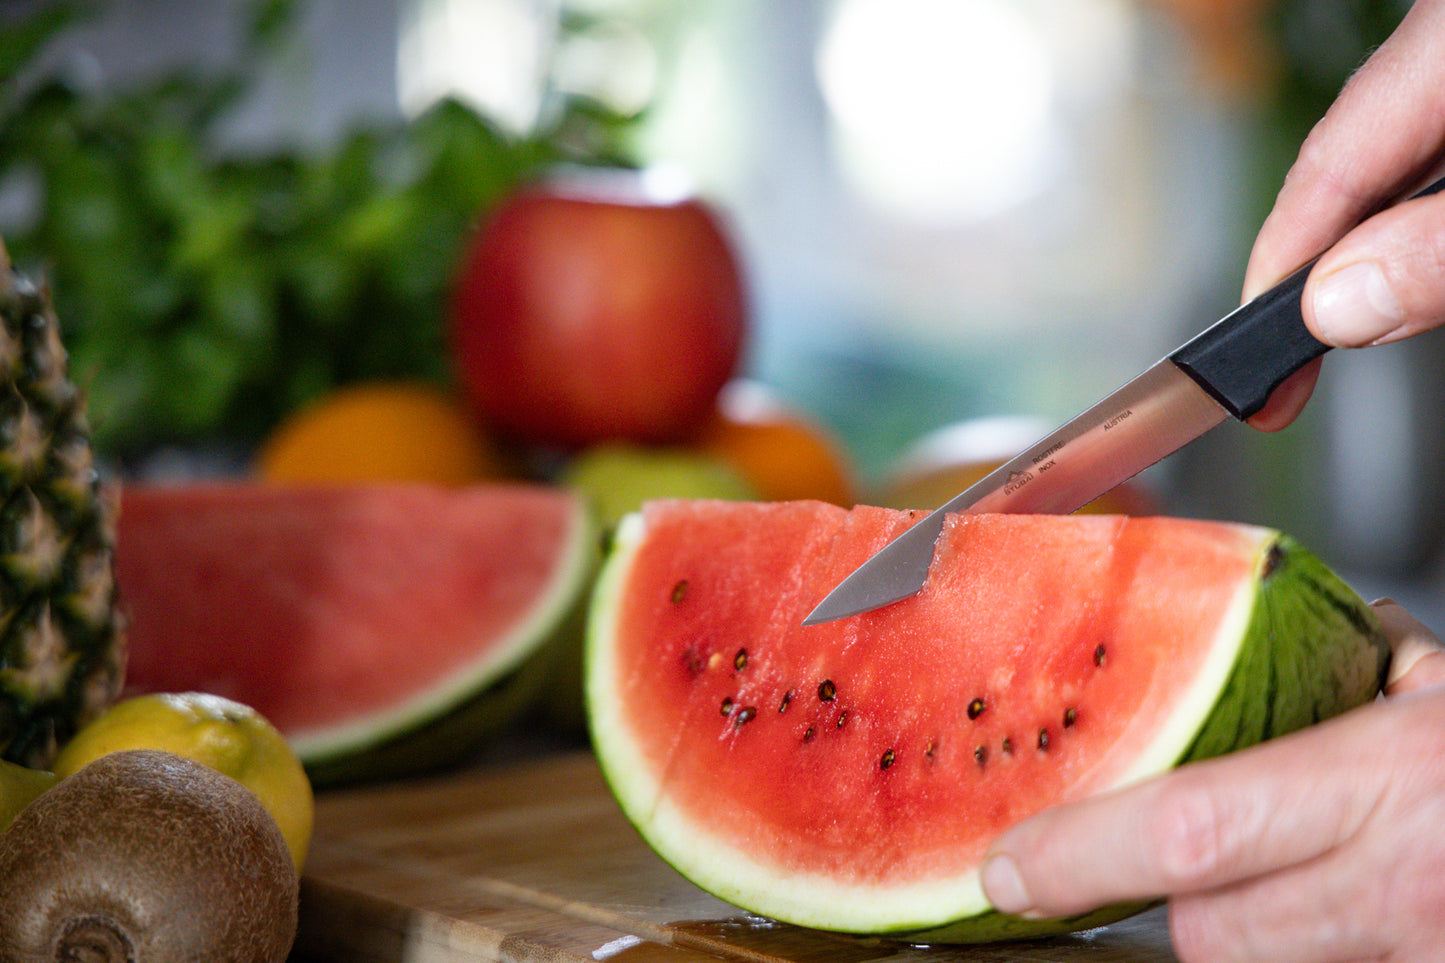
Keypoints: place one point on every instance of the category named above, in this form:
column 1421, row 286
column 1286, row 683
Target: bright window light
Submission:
column 941, row 108
column 492, row 54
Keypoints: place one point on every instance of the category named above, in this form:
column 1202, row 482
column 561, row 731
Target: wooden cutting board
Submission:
column 534, row 863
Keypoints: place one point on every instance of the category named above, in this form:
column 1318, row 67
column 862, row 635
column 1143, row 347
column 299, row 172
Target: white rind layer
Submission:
column 573, row 565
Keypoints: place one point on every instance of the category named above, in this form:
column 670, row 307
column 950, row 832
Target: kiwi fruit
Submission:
column 144, row 856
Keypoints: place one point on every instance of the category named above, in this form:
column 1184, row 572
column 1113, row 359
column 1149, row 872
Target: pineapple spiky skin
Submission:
column 62, row 650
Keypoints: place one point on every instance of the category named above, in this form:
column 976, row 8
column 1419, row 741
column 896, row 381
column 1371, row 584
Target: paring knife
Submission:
column 1229, row 369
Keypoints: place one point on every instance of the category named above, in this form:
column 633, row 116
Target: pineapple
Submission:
column 62, row 653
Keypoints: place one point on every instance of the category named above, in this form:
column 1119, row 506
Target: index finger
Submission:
column 1190, row 830
column 1379, row 139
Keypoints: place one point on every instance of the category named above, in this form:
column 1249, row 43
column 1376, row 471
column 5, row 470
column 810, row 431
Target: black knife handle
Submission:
column 1243, row 357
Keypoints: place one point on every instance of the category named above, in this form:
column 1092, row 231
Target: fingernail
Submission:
column 1004, row 886
column 1355, row 306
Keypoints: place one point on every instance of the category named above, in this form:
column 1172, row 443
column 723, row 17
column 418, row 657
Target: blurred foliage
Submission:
column 203, row 293
column 1318, row 46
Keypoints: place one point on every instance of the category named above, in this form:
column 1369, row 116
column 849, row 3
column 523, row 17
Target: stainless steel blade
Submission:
column 1152, row 416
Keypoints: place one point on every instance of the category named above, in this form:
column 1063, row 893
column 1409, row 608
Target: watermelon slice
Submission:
column 850, row 776
column 384, row 629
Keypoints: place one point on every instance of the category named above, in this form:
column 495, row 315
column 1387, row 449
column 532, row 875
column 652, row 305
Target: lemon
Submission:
column 18, row 786
column 225, row 735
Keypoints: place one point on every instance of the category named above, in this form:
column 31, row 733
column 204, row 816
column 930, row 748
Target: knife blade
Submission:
column 1229, row 369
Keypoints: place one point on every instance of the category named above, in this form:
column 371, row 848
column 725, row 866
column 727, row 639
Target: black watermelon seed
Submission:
column 745, row 715
column 740, row 661
column 679, row 591
column 827, row 691
column 1273, row 561
column 1071, row 716
column 1008, row 746
column 727, row 706
column 1099, row 654
column 975, row 708
column 980, row 755
column 809, row 733
column 787, row 698
column 887, row 760
column 842, row 718
column 1044, row 739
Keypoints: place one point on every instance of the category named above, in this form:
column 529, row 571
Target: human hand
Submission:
column 1324, row 846
column 1383, row 138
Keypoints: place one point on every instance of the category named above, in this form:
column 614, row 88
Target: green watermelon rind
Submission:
column 445, row 724
column 1286, row 680
column 1269, row 677
column 1281, row 681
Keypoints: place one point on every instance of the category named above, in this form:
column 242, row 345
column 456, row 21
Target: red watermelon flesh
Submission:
column 345, row 615
column 851, row 775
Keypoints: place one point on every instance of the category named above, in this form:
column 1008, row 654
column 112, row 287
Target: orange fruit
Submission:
column 780, row 452
column 380, row 431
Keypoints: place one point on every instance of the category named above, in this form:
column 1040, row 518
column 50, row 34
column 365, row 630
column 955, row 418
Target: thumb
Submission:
column 1417, row 660
column 1384, row 280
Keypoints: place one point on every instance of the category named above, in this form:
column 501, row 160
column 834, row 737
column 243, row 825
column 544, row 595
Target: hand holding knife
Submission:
column 1230, row 369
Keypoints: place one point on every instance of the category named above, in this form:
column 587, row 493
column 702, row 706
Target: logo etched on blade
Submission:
column 1117, row 419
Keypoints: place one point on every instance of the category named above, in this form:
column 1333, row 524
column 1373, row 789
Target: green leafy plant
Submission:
column 206, row 293
column 1317, row 46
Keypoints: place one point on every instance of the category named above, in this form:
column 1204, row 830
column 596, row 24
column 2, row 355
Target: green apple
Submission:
column 618, row 477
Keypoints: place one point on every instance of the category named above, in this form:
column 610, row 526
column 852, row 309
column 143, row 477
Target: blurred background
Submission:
column 948, row 210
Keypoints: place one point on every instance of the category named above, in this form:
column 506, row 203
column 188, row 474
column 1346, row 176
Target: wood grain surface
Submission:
column 533, row 862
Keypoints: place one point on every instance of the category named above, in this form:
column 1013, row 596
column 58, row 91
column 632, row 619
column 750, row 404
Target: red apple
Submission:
column 589, row 310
